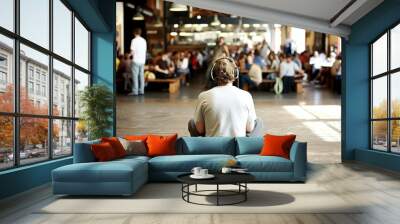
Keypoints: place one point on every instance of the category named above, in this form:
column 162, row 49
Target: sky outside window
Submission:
column 7, row 14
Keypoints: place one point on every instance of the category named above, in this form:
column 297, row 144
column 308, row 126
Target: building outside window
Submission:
column 57, row 129
column 385, row 92
column 3, row 72
column 30, row 87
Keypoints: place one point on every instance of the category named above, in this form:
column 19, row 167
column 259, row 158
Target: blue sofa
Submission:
column 125, row 176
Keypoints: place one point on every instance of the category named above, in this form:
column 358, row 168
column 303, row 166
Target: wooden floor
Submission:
column 377, row 191
column 313, row 116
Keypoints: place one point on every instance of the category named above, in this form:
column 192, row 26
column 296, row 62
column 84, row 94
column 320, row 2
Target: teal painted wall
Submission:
column 355, row 100
column 100, row 17
column 103, row 54
column 24, row 178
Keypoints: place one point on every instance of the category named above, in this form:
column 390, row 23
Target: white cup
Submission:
column 203, row 172
column 226, row 170
column 196, row 171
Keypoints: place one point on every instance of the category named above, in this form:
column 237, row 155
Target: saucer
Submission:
column 208, row 176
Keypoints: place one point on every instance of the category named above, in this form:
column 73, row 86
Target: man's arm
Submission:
column 281, row 70
column 252, row 115
column 200, row 126
column 298, row 69
column 199, row 117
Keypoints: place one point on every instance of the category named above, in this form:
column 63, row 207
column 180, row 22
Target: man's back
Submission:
column 139, row 48
column 226, row 111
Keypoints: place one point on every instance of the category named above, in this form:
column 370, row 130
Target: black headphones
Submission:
column 230, row 60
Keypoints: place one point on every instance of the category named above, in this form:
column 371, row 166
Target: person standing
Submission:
column 138, row 52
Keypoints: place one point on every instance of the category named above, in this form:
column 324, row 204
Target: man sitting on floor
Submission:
column 225, row 110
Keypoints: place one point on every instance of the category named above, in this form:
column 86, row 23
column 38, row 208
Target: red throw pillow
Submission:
column 103, row 152
column 161, row 145
column 136, row 137
column 277, row 145
column 116, row 145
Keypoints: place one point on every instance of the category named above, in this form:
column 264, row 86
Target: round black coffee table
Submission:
column 238, row 179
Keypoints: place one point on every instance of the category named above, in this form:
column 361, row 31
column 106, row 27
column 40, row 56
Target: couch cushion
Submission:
column 275, row 145
column 257, row 163
column 159, row 145
column 249, row 145
column 83, row 153
column 103, row 152
column 112, row 171
column 206, row 145
column 185, row 163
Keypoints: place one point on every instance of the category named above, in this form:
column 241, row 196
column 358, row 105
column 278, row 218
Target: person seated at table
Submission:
column 259, row 60
column 182, row 64
column 336, row 72
column 251, row 79
column 273, row 65
column 125, row 69
column 248, row 77
column 287, row 72
column 163, row 68
column 225, row 110
column 249, row 59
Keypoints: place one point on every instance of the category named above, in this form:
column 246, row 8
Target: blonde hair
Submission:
column 224, row 72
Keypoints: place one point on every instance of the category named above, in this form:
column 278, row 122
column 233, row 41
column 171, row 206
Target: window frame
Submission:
column 16, row 114
column 388, row 74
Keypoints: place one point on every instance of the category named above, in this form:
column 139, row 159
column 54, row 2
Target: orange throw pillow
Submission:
column 277, row 145
column 116, row 145
column 103, row 152
column 136, row 137
column 161, row 145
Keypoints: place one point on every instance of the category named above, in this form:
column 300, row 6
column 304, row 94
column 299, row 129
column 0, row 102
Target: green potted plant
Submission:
column 96, row 103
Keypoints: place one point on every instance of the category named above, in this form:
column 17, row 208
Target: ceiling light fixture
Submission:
column 175, row 7
column 138, row 16
column 216, row 21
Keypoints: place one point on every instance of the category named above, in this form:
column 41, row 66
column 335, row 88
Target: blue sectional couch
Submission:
column 125, row 176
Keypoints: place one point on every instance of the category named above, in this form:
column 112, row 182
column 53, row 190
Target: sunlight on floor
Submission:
column 322, row 120
column 314, row 112
column 322, row 130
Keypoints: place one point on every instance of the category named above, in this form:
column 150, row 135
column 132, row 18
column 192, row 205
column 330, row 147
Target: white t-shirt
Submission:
column 226, row 111
column 288, row 69
column 138, row 48
column 255, row 74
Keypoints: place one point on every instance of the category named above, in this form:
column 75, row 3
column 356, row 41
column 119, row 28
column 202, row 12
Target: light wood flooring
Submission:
column 314, row 116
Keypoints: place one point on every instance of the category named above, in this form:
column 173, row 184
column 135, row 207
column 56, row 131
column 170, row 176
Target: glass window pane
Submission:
column 379, row 98
column 379, row 56
column 33, row 140
column 62, row 138
column 395, row 138
column 379, row 135
column 395, row 47
column 6, row 74
column 81, row 81
column 35, row 21
column 81, row 131
column 7, row 14
column 395, row 95
column 6, row 142
column 34, row 72
column 62, row 29
column 62, row 89
column 81, row 45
